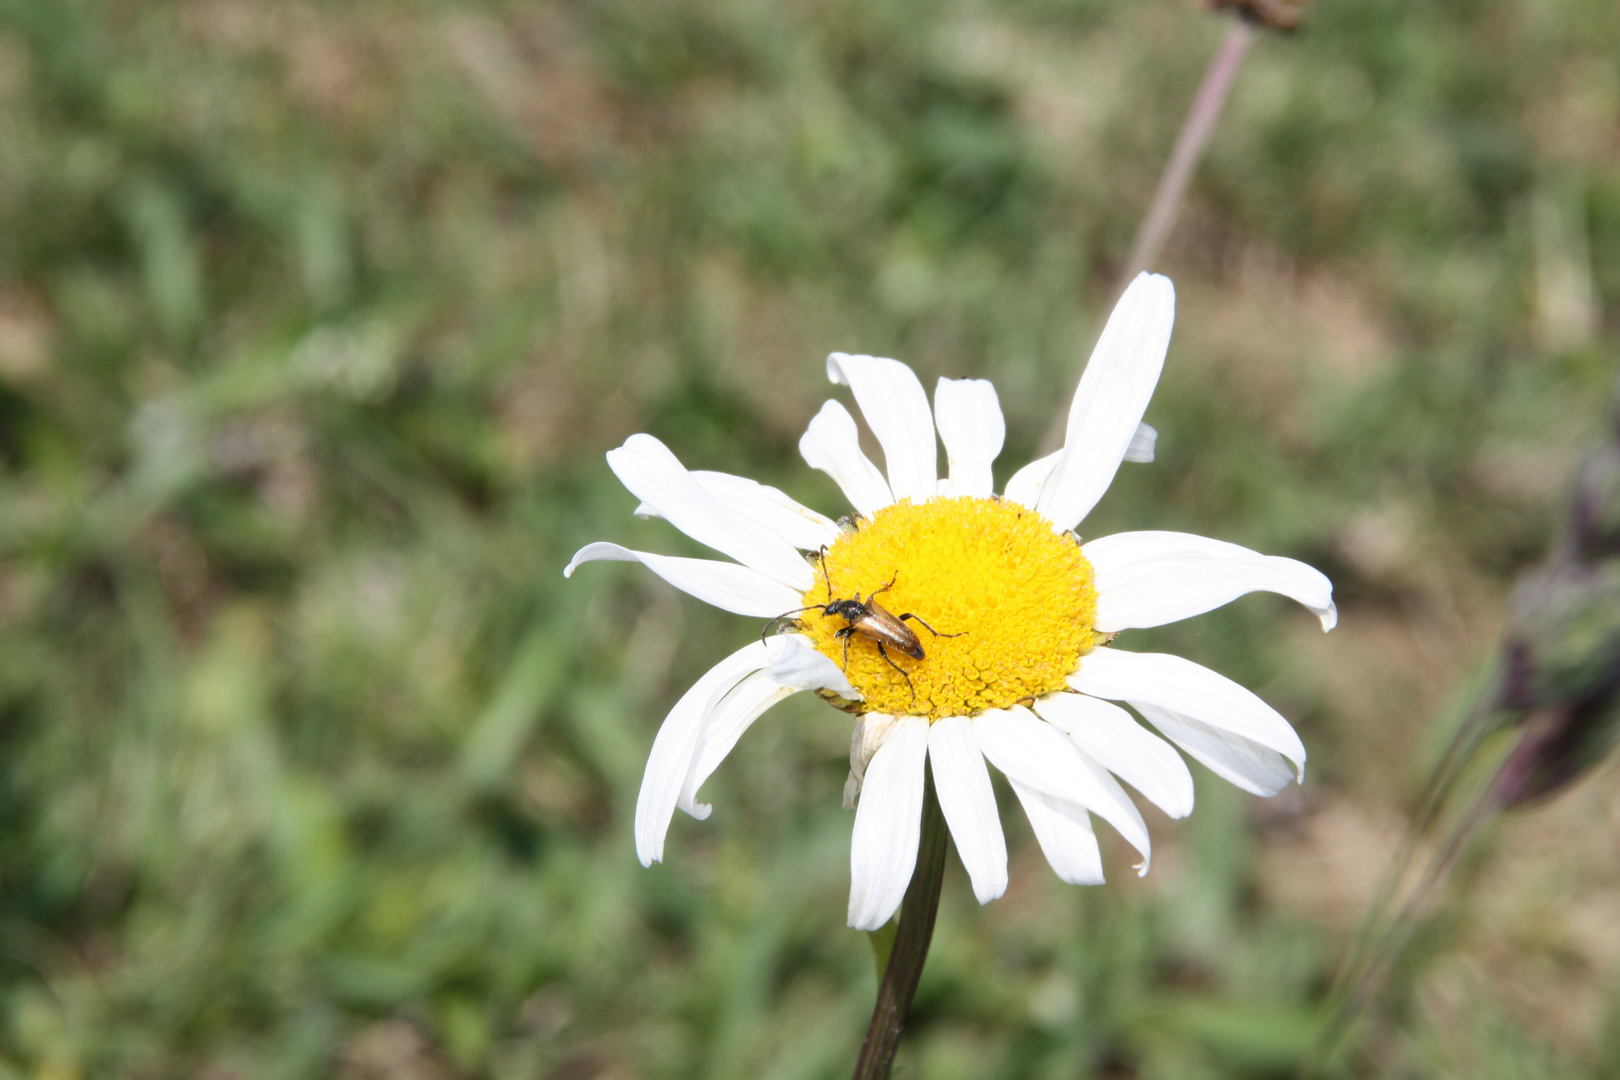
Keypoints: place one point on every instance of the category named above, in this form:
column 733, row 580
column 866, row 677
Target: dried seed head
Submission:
column 1284, row 15
column 1561, row 680
column 1594, row 533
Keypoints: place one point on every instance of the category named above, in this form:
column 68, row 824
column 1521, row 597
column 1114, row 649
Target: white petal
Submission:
column 800, row 666
column 1152, row 588
column 727, row 720
column 1063, row 829
column 1131, row 548
column 896, row 409
column 963, row 785
column 673, row 749
column 833, row 445
column 1035, row 753
column 1025, row 486
column 972, row 429
column 1113, row 738
column 657, row 478
column 1189, row 689
column 1252, row 767
column 883, row 848
column 871, row 731
column 725, row 585
column 770, row 508
column 1142, row 444
column 1113, row 393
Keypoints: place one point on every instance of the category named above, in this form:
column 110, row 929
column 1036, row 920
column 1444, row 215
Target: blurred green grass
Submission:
column 315, row 321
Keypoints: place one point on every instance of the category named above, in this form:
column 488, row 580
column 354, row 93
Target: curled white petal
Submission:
column 1025, row 486
column 1257, row 769
column 723, row 726
column 655, row 476
column 673, row 749
column 1189, row 690
column 727, row 586
column 1158, row 583
column 801, row 667
column 1113, row 393
column 833, row 445
column 971, row 426
column 1142, row 444
column 963, row 785
column 1035, row 753
column 871, row 731
column 896, row 409
column 1113, row 738
column 770, row 508
column 883, row 847
column 1063, row 829
column 1156, row 545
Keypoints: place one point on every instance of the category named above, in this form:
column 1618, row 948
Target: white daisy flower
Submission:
column 1003, row 655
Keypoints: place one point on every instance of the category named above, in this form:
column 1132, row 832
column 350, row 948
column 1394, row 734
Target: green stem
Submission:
column 917, row 911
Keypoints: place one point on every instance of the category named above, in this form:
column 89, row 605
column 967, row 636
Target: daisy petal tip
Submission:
column 1329, row 616
column 649, row 848
column 643, row 441
column 1141, row 448
column 1155, row 284
column 835, row 368
column 702, row 810
column 991, row 893
column 1181, row 807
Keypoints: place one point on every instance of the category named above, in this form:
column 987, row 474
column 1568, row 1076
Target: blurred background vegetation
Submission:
column 316, row 320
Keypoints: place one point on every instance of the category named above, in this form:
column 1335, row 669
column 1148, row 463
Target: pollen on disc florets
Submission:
column 1019, row 595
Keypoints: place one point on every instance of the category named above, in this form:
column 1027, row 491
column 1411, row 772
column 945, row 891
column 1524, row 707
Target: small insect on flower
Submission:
column 871, row 620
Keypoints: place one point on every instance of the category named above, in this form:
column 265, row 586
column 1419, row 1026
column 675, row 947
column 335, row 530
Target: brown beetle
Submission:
column 871, row 620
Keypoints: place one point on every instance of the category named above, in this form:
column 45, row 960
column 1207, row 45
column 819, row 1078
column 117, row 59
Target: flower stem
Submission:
column 1189, row 148
column 916, row 930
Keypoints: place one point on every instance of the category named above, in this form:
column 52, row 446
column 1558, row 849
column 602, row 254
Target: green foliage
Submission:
column 315, row 321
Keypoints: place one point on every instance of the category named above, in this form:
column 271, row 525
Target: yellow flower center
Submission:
column 1017, row 597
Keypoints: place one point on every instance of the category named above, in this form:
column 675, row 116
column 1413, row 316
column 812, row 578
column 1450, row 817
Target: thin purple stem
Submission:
column 1189, row 148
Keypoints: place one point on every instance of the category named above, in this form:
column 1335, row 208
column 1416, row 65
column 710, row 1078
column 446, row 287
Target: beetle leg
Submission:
column 844, row 635
column 930, row 629
column 885, row 654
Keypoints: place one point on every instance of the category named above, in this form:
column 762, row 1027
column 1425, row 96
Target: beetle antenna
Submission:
column 822, row 555
column 788, row 615
column 885, row 588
